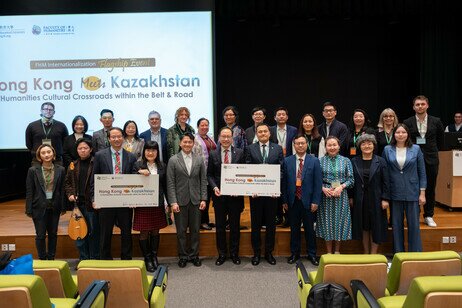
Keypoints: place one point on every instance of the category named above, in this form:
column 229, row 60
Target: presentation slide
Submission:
column 131, row 63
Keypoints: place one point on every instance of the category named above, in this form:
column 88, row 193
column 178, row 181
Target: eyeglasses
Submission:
column 48, row 109
column 328, row 110
column 388, row 116
column 106, row 118
column 154, row 119
column 229, row 115
column 258, row 114
column 226, row 137
column 300, row 143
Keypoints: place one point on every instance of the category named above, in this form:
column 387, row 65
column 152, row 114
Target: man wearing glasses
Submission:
column 47, row 130
column 333, row 127
column 156, row 133
column 100, row 138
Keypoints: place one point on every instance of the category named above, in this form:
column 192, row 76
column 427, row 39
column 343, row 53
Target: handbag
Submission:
column 77, row 228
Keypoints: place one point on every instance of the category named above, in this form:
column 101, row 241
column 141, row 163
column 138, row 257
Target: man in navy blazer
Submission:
column 156, row 133
column 427, row 132
column 107, row 162
column 282, row 134
column 301, row 195
column 263, row 152
column 230, row 206
column 333, row 127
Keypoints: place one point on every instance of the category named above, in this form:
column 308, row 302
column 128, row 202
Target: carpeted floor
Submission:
column 231, row 285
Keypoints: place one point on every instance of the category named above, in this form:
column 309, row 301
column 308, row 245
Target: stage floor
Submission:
column 16, row 228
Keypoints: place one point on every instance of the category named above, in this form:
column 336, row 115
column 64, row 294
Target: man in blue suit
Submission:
column 156, row 133
column 282, row 134
column 114, row 160
column 301, row 195
column 263, row 152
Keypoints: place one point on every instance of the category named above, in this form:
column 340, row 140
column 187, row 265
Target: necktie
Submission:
column 298, row 188
column 263, row 153
column 117, row 165
column 226, row 161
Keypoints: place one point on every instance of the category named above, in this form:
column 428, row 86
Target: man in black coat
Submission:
column 263, row 152
column 47, row 130
column 225, row 205
column 114, row 160
column 333, row 127
column 427, row 131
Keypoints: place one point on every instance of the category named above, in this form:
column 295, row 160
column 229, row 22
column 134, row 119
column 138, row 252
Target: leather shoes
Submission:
column 255, row 260
column 196, row 261
column 220, row 260
column 236, row 259
column 182, row 263
column 205, row 226
column 313, row 260
column 293, row 258
column 271, row 260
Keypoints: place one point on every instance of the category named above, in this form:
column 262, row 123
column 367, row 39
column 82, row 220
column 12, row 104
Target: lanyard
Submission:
column 45, row 130
column 309, row 142
column 387, row 138
column 282, row 140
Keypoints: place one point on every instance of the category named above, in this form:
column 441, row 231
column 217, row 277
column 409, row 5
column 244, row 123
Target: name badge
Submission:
column 46, row 141
column 420, row 140
column 352, row 151
column 298, row 183
column 49, row 195
column 336, row 184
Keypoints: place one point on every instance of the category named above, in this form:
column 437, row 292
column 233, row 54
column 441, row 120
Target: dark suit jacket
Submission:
column 162, row 172
column 405, row 184
column 311, row 181
column 146, row 135
column 214, row 166
column 69, row 150
column 433, row 137
column 339, row 130
column 275, row 156
column 36, row 200
column 250, row 134
column 291, row 133
column 103, row 165
column 182, row 187
column 377, row 190
column 71, row 183
column 100, row 141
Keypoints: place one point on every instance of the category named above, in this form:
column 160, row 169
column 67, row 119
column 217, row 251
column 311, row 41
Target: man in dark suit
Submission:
column 187, row 194
column 333, row 127
column 263, row 152
column 47, row 130
column 301, row 195
column 427, row 131
column 282, row 134
column 258, row 116
column 100, row 139
column 114, row 160
column 225, row 205
column 156, row 133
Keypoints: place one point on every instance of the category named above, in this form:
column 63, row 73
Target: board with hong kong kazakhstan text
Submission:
column 250, row 180
column 126, row 190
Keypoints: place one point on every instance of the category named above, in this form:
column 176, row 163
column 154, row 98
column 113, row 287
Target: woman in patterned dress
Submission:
column 231, row 118
column 149, row 220
column 334, row 218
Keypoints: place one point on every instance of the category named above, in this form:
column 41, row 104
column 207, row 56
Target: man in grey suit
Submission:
column 263, row 152
column 186, row 194
column 100, row 138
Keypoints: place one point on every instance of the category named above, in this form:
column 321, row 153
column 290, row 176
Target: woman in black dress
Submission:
column 370, row 195
column 149, row 220
column 387, row 123
column 359, row 125
column 80, row 127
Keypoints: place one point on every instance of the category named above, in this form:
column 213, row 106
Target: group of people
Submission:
column 338, row 178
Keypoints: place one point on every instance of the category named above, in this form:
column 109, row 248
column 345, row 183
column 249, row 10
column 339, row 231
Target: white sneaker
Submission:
column 430, row 222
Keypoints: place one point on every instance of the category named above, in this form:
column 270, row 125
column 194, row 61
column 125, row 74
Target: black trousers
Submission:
column 231, row 207
column 47, row 224
column 297, row 215
column 432, row 174
column 205, row 219
column 263, row 208
column 107, row 219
